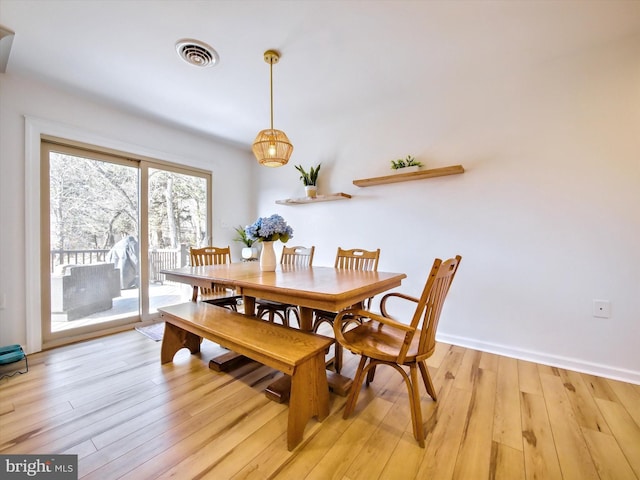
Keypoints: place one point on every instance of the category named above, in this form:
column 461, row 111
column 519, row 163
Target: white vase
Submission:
column 414, row 168
column 249, row 252
column 268, row 257
column 311, row 191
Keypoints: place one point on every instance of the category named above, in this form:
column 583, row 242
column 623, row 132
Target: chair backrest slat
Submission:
column 427, row 313
column 209, row 256
column 357, row 259
column 297, row 256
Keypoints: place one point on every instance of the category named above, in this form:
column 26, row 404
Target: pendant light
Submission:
column 271, row 147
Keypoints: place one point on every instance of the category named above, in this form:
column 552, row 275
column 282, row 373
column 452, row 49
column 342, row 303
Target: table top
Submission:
column 326, row 288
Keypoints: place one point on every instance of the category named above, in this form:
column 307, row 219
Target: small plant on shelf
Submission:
column 405, row 162
column 309, row 179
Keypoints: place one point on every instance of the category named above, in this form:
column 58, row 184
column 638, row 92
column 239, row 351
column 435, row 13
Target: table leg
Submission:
column 306, row 319
column 231, row 360
column 280, row 390
column 249, row 305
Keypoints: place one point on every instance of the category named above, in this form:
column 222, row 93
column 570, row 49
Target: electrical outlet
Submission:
column 602, row 308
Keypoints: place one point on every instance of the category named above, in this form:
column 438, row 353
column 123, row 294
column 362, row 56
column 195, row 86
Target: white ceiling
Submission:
column 336, row 56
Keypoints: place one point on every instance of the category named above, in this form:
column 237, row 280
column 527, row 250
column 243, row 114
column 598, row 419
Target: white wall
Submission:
column 57, row 111
column 546, row 217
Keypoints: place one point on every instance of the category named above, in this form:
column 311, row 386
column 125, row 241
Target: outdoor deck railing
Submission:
column 165, row 259
column 77, row 257
column 159, row 259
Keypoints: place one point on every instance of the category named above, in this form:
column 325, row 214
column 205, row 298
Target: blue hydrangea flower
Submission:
column 269, row 229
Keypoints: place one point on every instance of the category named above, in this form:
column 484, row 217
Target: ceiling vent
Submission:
column 197, row 53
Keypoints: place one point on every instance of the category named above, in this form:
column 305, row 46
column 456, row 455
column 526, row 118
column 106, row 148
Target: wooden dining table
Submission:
column 323, row 288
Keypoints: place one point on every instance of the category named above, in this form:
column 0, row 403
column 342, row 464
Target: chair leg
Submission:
column 411, row 381
column 284, row 318
column 428, row 383
column 338, row 352
column 416, row 409
column 337, row 357
column 338, row 349
column 355, row 388
column 371, row 375
column 293, row 310
column 271, row 315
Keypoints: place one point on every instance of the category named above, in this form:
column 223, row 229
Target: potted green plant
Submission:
column 405, row 165
column 309, row 180
column 248, row 251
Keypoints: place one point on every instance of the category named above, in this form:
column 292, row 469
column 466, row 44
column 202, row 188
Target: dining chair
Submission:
column 296, row 257
column 381, row 340
column 218, row 294
column 354, row 259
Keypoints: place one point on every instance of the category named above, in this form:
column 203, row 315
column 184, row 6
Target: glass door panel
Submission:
column 177, row 220
column 93, row 238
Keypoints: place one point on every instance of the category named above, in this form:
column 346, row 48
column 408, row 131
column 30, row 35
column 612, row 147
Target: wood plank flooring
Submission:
column 110, row 401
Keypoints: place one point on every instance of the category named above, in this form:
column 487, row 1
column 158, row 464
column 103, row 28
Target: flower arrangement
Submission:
column 269, row 229
column 405, row 162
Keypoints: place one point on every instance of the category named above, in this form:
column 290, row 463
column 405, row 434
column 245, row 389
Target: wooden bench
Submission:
column 293, row 352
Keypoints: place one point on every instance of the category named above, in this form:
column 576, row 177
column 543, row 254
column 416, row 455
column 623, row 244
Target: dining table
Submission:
column 308, row 287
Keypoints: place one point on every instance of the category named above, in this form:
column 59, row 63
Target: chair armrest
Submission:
column 358, row 312
column 383, row 301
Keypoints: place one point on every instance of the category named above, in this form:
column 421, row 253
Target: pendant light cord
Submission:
column 271, row 89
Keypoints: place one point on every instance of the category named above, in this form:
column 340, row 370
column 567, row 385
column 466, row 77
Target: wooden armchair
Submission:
column 294, row 257
column 218, row 294
column 380, row 340
column 354, row 259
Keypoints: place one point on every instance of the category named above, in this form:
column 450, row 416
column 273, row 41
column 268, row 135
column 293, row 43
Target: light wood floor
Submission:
column 111, row 402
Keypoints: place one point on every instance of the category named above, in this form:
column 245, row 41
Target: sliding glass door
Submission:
column 113, row 224
column 177, row 220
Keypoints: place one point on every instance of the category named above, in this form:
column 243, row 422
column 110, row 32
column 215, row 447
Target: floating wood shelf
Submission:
column 405, row 177
column 319, row 198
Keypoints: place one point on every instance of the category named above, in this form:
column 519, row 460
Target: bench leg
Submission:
column 309, row 398
column 175, row 338
column 231, row 360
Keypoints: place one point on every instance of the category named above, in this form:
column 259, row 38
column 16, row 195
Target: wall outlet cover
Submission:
column 602, row 308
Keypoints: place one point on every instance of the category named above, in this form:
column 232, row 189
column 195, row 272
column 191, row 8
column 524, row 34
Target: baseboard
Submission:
column 544, row 358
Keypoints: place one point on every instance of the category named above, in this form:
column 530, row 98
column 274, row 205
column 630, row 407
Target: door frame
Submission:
column 36, row 130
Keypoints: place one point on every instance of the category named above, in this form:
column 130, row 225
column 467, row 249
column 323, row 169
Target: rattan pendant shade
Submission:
column 271, row 147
